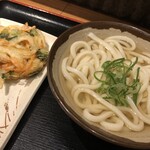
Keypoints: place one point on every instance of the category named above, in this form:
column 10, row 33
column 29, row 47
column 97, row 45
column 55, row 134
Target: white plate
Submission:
column 17, row 95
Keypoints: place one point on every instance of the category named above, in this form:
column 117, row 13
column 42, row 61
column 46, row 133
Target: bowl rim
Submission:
column 101, row 134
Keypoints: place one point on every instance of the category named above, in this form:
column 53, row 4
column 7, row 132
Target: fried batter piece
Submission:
column 23, row 52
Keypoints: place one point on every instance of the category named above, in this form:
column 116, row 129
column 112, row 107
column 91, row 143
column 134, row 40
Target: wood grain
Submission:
column 65, row 10
column 71, row 11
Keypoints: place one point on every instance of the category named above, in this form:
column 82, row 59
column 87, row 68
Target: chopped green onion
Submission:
column 4, row 34
column 8, row 36
column 7, row 75
column 42, row 54
column 114, row 86
column 33, row 32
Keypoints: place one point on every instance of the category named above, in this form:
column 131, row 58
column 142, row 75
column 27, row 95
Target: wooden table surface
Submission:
column 65, row 9
column 71, row 11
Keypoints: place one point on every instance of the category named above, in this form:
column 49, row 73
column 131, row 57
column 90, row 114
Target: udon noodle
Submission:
column 88, row 56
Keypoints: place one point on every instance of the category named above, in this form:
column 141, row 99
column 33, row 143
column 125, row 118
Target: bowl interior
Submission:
column 60, row 49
